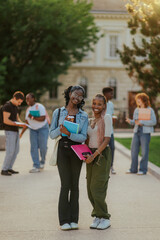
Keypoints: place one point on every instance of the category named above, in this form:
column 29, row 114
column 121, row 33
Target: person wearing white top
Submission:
column 98, row 164
column 108, row 93
column 39, row 131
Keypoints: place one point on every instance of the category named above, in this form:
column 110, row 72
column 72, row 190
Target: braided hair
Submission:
column 101, row 96
column 72, row 89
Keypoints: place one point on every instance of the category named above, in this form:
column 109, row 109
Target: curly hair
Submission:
column 32, row 95
column 144, row 98
column 72, row 89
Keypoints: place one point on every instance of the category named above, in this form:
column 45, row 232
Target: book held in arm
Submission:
column 35, row 113
column 82, row 150
column 144, row 114
column 71, row 127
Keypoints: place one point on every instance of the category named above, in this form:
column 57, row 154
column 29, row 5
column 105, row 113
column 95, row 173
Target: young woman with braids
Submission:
column 69, row 165
column 98, row 164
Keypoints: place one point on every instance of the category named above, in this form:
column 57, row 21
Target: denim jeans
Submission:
column 38, row 141
column 143, row 140
column 112, row 147
column 12, row 149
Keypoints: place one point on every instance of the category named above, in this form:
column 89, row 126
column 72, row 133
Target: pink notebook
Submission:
column 81, row 150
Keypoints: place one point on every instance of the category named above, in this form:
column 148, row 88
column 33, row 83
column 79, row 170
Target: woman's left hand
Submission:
column 64, row 130
column 138, row 123
column 89, row 159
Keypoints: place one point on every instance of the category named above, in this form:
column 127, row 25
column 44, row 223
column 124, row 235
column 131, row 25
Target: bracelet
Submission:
column 92, row 156
column 98, row 152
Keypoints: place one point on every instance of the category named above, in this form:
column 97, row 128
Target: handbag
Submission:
column 53, row 159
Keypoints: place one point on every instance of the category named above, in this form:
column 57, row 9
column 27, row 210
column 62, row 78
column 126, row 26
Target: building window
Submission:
column 83, row 81
column 113, row 46
column 113, row 84
column 53, row 92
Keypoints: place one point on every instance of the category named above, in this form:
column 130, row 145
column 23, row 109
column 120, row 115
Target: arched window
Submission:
column 113, row 84
column 83, row 81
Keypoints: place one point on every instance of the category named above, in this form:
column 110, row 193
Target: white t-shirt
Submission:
column 92, row 132
column 33, row 123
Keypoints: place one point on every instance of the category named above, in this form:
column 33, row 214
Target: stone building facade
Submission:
column 103, row 67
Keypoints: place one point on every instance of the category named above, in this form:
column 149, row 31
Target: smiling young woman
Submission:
column 98, row 164
column 69, row 165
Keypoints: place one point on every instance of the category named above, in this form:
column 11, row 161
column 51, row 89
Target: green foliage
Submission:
column 3, row 73
column 41, row 39
column 143, row 60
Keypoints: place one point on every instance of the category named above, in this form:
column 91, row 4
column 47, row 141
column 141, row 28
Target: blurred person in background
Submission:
column 10, row 117
column 142, row 134
column 108, row 93
column 36, row 117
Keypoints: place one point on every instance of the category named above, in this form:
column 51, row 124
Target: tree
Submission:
column 2, row 77
column 143, row 60
column 41, row 39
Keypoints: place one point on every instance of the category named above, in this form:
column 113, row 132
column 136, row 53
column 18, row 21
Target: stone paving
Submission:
column 28, row 203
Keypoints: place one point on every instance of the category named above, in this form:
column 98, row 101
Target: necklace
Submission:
column 94, row 121
column 72, row 111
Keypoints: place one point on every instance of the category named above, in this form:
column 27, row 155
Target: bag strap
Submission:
column 59, row 110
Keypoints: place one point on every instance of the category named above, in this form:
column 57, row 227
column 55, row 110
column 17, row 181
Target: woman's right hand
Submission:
column 89, row 158
column 128, row 120
column 64, row 130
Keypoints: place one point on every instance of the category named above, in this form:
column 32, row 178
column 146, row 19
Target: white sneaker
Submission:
column 113, row 171
column 95, row 223
column 34, row 170
column 141, row 173
column 104, row 224
column 74, row 226
column 65, row 227
column 129, row 172
column 41, row 166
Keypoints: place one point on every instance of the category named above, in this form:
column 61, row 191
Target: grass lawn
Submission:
column 154, row 148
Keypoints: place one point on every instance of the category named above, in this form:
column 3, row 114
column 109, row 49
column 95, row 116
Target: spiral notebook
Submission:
column 81, row 150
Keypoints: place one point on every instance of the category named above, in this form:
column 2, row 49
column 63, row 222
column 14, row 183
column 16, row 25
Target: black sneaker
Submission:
column 6, row 173
column 12, row 171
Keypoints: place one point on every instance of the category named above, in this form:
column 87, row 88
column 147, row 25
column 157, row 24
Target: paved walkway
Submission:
column 28, row 203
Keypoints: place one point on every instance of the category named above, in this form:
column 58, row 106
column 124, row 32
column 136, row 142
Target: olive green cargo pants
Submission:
column 97, row 183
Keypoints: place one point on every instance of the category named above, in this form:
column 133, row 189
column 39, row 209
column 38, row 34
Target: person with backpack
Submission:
column 36, row 117
column 10, row 117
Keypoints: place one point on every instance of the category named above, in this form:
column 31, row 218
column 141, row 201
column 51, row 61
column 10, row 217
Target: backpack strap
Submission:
column 59, row 110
